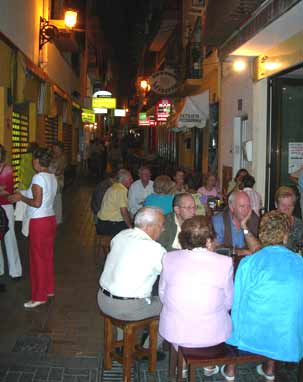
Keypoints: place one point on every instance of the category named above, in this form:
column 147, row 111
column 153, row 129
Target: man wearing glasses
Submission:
column 184, row 208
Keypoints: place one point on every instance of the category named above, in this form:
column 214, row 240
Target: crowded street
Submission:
column 63, row 339
column 151, row 191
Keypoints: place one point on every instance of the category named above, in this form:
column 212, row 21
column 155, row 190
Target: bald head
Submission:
column 239, row 205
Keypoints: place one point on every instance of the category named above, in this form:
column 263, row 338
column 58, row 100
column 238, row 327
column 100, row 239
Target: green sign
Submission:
column 142, row 117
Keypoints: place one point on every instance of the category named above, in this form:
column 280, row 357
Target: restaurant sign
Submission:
column 163, row 82
column 88, row 116
column 104, row 103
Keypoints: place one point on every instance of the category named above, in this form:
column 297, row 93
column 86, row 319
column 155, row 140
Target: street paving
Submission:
column 69, row 327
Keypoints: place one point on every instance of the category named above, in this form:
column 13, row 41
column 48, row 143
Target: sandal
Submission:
column 261, row 372
column 209, row 371
column 227, row 377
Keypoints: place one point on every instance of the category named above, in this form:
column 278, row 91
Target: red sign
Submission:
column 163, row 109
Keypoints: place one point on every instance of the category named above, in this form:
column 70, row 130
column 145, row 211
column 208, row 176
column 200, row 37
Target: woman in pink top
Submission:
column 210, row 189
column 196, row 290
column 10, row 241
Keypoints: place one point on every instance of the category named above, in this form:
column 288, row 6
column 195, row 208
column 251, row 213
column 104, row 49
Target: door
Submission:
column 285, row 132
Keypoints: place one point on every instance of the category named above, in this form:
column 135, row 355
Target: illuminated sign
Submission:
column 102, row 93
column 142, row 117
column 20, row 138
column 104, row 103
column 120, row 113
column 100, row 111
column 88, row 116
column 163, row 109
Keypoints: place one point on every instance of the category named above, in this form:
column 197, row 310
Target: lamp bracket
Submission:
column 48, row 32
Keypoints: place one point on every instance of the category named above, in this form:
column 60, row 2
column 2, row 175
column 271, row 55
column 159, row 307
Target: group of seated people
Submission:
column 202, row 300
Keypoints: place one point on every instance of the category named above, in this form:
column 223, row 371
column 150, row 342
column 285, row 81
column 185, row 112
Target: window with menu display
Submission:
column 20, row 137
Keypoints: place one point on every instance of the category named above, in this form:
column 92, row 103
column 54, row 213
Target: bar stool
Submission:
column 131, row 350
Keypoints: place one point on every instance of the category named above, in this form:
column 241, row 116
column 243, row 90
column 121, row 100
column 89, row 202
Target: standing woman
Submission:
column 10, row 241
column 42, row 227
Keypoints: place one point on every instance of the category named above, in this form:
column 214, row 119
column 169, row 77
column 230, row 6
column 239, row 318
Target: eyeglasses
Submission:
column 188, row 208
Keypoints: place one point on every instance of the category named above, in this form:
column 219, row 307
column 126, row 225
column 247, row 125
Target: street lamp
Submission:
column 49, row 29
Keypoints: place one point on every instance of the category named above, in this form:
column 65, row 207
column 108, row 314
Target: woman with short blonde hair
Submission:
column 267, row 311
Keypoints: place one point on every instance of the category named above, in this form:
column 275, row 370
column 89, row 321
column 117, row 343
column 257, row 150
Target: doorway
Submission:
column 285, row 133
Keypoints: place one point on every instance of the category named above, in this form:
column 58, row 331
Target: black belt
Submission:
column 107, row 293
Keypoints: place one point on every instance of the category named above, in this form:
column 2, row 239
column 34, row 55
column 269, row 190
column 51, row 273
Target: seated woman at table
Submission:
column 163, row 195
column 267, row 311
column 196, row 290
column 210, row 189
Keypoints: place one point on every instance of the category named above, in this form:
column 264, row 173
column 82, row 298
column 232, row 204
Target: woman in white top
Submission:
column 42, row 227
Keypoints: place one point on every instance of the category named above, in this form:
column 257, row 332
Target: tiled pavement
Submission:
column 71, row 319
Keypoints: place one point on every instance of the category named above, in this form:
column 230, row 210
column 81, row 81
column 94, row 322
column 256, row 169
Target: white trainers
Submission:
column 209, row 371
column 33, row 304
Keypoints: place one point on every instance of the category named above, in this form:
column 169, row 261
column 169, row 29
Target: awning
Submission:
column 195, row 112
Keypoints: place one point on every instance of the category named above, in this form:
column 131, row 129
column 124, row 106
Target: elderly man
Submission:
column 139, row 190
column 184, row 207
column 131, row 268
column 113, row 215
column 237, row 226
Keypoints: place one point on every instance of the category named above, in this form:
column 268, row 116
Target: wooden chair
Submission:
column 131, row 350
column 214, row 355
column 201, row 357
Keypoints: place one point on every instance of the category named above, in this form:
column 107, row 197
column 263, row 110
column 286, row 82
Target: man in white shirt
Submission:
column 139, row 190
column 132, row 267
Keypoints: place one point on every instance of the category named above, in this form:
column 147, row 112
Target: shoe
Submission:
column 227, row 377
column 261, row 372
column 33, row 304
column 209, row 371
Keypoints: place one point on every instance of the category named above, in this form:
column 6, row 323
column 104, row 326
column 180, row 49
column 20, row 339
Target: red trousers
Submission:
column 42, row 233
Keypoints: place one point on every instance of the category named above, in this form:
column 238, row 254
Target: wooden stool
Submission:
column 131, row 350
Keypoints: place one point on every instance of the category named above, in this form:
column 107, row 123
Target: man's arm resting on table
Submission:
column 126, row 216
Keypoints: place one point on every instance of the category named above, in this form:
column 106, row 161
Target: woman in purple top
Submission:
column 210, row 189
column 196, row 290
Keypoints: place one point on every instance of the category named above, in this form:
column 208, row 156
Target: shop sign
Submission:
column 88, row 116
column 120, row 113
column 163, row 82
column 104, row 103
column 142, row 117
column 102, row 93
column 163, row 109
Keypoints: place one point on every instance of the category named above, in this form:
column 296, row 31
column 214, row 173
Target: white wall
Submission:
column 19, row 21
column 59, row 70
column 260, row 148
column 234, row 86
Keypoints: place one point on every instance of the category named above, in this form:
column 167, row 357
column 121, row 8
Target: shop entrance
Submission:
column 285, row 133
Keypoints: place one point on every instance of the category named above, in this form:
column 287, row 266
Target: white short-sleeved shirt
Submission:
column 132, row 265
column 48, row 183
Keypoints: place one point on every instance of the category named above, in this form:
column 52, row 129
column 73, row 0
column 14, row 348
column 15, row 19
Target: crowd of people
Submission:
column 173, row 253
column 202, row 295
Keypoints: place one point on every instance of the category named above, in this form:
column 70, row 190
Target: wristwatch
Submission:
column 245, row 231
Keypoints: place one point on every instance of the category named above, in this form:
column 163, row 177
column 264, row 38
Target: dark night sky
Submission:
column 123, row 25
